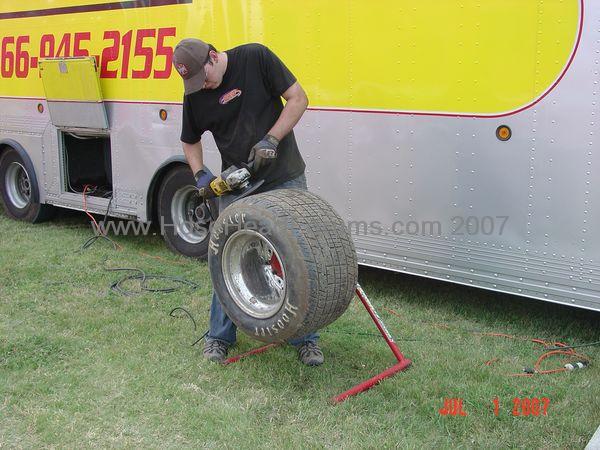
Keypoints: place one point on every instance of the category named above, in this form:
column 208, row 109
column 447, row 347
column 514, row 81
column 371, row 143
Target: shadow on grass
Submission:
column 482, row 306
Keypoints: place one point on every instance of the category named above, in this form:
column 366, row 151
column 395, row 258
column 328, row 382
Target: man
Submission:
column 236, row 95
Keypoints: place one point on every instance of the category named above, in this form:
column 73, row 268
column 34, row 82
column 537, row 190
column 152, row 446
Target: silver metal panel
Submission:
column 12, row 118
column 78, row 114
column 140, row 143
column 52, row 163
column 323, row 141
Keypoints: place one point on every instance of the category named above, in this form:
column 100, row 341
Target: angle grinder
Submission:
column 235, row 181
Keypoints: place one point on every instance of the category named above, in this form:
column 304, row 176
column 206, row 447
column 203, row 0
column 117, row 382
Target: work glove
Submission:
column 264, row 152
column 203, row 179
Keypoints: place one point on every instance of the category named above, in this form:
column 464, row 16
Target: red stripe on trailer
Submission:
column 91, row 8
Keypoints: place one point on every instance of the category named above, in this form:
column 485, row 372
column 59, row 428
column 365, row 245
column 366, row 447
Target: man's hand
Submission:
column 203, row 178
column 264, row 152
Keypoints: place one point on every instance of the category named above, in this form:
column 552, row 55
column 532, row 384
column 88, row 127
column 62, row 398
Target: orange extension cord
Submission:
column 85, row 188
column 570, row 352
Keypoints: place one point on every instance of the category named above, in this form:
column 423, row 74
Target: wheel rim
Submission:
column 254, row 274
column 190, row 219
column 18, row 185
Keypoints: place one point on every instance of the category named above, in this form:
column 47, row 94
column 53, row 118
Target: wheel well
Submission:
column 10, row 144
column 3, row 148
column 152, row 197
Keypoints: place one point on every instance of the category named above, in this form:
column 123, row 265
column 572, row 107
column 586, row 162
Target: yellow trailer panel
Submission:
column 496, row 56
column 71, row 79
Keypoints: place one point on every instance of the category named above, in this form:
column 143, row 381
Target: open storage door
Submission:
column 72, row 88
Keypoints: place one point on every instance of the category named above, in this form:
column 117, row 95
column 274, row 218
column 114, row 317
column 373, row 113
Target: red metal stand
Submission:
column 250, row 353
column 402, row 363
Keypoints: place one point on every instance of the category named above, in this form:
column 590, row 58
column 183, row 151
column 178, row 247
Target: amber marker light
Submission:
column 163, row 114
column 503, row 133
column 40, row 108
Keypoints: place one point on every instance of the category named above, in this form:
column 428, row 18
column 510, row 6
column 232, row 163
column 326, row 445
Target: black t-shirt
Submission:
column 242, row 110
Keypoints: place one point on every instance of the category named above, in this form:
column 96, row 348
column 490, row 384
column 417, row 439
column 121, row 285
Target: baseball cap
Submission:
column 189, row 58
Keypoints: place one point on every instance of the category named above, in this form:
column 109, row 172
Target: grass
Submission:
column 82, row 366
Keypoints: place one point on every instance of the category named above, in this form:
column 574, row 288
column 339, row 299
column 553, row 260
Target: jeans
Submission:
column 221, row 327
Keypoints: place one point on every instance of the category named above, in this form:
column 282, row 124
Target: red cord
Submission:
column 537, row 366
column 85, row 187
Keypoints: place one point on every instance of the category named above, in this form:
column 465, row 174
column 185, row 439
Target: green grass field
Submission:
column 83, row 366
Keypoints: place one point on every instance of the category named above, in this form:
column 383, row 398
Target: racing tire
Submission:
column 282, row 263
column 183, row 220
column 17, row 188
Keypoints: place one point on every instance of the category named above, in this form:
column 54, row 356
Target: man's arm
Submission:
column 296, row 103
column 193, row 154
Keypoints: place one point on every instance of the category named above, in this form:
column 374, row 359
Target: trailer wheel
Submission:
column 183, row 218
column 282, row 263
column 17, row 190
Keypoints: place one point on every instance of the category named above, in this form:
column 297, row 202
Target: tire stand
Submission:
column 402, row 364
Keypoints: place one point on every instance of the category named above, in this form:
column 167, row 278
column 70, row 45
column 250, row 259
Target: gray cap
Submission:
column 189, row 58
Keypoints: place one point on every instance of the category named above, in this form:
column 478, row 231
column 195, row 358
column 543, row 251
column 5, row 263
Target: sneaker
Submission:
column 310, row 354
column 215, row 350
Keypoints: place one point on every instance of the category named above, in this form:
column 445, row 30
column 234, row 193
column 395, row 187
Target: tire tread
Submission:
column 327, row 246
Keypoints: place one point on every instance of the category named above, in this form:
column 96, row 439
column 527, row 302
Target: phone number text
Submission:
column 146, row 49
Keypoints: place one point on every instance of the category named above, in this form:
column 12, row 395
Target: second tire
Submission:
column 183, row 218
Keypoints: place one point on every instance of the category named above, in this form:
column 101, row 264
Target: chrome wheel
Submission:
column 189, row 215
column 18, row 185
column 254, row 274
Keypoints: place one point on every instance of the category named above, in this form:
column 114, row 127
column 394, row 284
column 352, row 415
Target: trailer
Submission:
column 456, row 139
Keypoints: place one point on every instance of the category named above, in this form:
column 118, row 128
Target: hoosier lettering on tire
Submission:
column 283, row 264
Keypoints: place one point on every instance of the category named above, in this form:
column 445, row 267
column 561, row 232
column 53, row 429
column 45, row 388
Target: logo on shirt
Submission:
column 229, row 96
column 182, row 69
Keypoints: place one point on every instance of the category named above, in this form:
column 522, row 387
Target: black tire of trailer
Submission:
column 16, row 201
column 316, row 257
column 181, row 238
